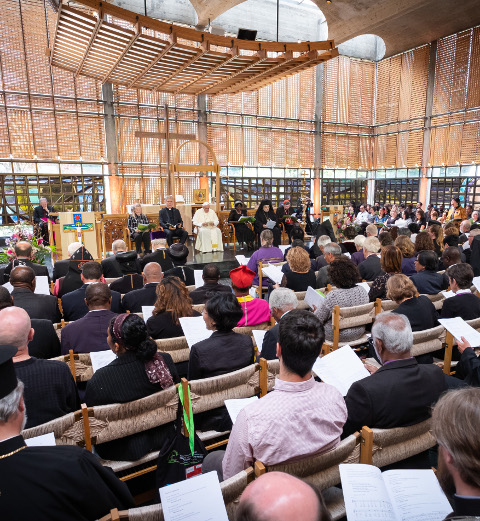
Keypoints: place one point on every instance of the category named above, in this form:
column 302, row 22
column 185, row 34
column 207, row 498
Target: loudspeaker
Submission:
column 246, row 34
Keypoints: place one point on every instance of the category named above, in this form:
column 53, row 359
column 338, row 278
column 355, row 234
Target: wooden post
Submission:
column 447, row 359
column 366, row 447
column 71, row 363
column 263, row 376
column 259, row 469
column 336, row 327
column 86, row 427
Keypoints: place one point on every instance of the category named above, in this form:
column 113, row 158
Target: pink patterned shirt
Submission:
column 292, row 422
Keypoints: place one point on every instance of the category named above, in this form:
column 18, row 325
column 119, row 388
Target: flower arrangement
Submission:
column 21, row 234
column 347, row 221
column 289, row 219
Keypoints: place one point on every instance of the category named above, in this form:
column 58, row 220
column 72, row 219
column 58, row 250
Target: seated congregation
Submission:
column 158, row 389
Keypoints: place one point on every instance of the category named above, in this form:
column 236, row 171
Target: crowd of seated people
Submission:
column 402, row 264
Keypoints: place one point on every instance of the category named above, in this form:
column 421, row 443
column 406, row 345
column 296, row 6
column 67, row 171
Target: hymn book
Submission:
column 198, row 274
column 147, row 312
column 340, row 368
column 314, row 298
column 194, row 329
column 274, row 273
column 394, row 495
column 458, row 328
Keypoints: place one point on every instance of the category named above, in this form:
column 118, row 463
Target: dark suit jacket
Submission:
column 465, row 508
column 420, row 312
column 50, row 391
column 88, row 333
column 269, row 345
column 38, row 213
column 164, row 218
column 74, row 307
column 62, row 482
column 39, row 269
column 430, row 282
column 160, row 257
column 201, row 294
column 399, row 394
column 184, row 273
column 37, row 306
column 121, row 381
column 127, row 283
column 370, row 268
column 60, row 269
column 466, row 306
column 112, row 268
column 45, row 343
column 134, row 300
column 468, row 367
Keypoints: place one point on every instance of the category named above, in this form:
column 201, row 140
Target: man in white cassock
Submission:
column 209, row 237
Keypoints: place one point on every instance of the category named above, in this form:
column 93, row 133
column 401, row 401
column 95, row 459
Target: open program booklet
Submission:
column 394, row 495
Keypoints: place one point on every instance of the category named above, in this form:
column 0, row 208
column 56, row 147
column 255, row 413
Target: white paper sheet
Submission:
column 147, row 312
column 194, row 329
column 313, row 297
column 41, row 285
column 340, row 368
column 271, row 224
column 364, row 285
column 476, row 282
column 466, row 246
column 101, row 358
column 284, row 247
column 198, row 278
column 448, row 294
column 44, row 440
column 365, row 494
column 198, row 498
column 347, row 254
column 241, row 259
column 235, row 406
column 259, row 335
column 274, row 273
column 458, row 327
column 416, row 495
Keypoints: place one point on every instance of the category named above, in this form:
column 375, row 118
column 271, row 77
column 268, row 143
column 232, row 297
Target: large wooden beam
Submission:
column 135, row 37
column 94, row 34
column 172, row 41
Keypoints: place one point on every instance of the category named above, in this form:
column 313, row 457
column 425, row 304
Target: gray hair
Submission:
column 323, row 240
column 404, row 231
column 9, row 404
column 72, row 248
column 394, row 330
column 371, row 244
column 169, row 197
column 332, row 248
column 42, row 199
column 119, row 244
column 283, row 299
column 466, row 225
column 359, row 240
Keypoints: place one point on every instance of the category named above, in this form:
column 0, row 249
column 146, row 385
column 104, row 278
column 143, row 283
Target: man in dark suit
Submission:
column 464, row 304
column 50, row 391
column 90, row 332
column 122, row 262
column 455, row 425
column 171, row 221
column 159, row 255
column 46, row 483
column 45, row 342
column 22, row 279
column 370, row 268
column 73, row 303
column 60, row 268
column 281, row 301
column 401, row 392
column 210, row 276
column 23, row 254
column 146, row 296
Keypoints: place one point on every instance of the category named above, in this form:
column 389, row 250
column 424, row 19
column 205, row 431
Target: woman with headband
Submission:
column 138, row 371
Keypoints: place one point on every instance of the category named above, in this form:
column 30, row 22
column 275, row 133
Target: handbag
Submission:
column 181, row 458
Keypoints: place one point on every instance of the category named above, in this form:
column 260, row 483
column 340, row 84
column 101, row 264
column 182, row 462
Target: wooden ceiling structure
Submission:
column 111, row 44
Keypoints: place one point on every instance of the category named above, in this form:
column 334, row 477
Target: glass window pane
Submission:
column 48, row 168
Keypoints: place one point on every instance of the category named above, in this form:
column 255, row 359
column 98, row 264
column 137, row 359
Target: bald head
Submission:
column 277, row 496
column 152, row 272
column 15, row 328
column 98, row 296
column 22, row 277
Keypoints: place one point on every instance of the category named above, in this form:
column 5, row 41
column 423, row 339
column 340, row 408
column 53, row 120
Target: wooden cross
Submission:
column 167, row 135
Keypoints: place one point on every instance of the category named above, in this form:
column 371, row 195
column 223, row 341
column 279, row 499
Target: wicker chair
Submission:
column 381, row 447
column 322, row 471
column 437, row 300
column 80, row 365
column 176, row 347
column 428, row 341
column 231, row 488
column 343, row 318
column 384, row 305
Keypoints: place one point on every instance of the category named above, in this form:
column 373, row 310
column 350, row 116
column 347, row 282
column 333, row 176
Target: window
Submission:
column 342, row 191
column 396, row 190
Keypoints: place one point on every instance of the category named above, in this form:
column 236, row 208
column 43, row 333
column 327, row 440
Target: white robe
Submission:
column 208, row 238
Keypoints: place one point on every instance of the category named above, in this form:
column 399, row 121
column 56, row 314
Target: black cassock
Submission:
column 62, row 483
column 242, row 231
